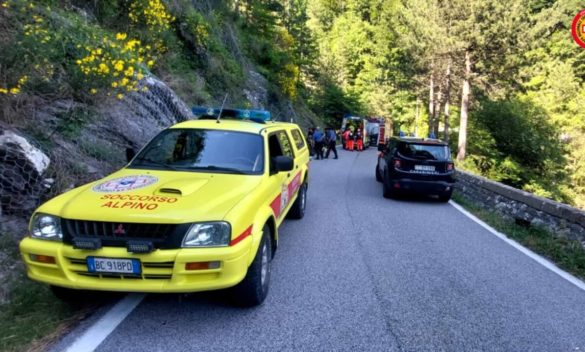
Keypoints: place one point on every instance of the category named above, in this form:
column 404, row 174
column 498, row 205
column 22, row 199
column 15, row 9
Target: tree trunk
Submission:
column 237, row 7
column 447, row 100
column 416, row 115
column 431, row 101
column 464, row 108
column 437, row 111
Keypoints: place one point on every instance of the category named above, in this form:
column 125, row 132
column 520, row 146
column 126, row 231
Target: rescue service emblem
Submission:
column 127, row 183
column 578, row 28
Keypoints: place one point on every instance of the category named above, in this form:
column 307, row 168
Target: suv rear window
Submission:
column 424, row 151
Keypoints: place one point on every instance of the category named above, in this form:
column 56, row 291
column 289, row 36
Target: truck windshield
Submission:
column 424, row 151
column 201, row 150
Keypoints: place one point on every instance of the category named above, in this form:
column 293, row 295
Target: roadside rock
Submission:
column 22, row 167
column 134, row 120
column 256, row 92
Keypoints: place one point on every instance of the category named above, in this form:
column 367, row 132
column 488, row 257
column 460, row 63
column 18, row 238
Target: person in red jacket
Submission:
column 359, row 137
column 346, row 136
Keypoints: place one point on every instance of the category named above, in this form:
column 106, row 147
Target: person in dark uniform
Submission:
column 319, row 141
column 331, row 140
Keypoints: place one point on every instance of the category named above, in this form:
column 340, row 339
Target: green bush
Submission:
column 54, row 50
column 512, row 141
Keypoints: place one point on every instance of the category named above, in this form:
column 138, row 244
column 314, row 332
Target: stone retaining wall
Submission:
column 562, row 220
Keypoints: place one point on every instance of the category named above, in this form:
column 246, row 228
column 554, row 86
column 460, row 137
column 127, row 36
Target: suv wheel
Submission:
column 378, row 176
column 444, row 197
column 297, row 210
column 254, row 288
column 387, row 187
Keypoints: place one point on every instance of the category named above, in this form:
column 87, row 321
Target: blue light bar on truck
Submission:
column 240, row 114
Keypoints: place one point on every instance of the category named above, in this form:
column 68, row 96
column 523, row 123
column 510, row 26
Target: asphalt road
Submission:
column 364, row 273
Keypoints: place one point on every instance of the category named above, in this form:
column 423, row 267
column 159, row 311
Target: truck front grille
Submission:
column 117, row 234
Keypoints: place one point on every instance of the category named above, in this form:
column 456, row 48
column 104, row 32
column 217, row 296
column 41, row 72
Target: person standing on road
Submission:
column 319, row 140
column 311, row 140
column 331, row 140
column 345, row 136
column 359, row 138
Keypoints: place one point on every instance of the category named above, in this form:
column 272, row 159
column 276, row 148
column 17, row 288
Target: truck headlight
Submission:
column 208, row 234
column 46, row 227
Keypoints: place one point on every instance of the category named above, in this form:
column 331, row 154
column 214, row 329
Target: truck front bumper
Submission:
column 161, row 270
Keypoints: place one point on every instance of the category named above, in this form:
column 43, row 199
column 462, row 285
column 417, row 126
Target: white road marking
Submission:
column 541, row 260
column 97, row 333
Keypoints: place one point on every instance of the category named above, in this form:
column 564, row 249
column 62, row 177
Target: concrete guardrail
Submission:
column 523, row 207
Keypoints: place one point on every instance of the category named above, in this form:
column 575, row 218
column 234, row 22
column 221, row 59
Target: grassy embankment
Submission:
column 31, row 317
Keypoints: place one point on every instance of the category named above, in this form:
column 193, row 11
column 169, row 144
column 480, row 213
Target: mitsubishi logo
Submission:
column 120, row 230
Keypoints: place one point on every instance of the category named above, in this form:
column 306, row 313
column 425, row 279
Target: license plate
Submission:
column 111, row 265
column 424, row 167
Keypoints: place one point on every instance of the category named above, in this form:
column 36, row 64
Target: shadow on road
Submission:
column 209, row 299
column 417, row 198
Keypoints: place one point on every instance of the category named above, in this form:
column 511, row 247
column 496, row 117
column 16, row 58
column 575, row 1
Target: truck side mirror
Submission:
column 282, row 163
column 130, row 153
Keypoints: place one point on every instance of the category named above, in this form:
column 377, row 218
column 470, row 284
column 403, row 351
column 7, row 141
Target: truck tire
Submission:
column 445, row 197
column 254, row 288
column 378, row 176
column 387, row 187
column 297, row 211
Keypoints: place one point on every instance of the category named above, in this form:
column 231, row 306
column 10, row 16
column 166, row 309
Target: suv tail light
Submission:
column 397, row 164
column 450, row 167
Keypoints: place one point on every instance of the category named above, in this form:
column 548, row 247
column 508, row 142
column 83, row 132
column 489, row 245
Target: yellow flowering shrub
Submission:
column 115, row 63
column 153, row 15
column 197, row 30
column 55, row 47
column 15, row 89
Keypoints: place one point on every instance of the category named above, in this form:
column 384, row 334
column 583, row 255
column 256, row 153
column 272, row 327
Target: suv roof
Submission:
column 420, row 140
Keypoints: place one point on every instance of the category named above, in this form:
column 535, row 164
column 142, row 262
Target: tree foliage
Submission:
column 406, row 60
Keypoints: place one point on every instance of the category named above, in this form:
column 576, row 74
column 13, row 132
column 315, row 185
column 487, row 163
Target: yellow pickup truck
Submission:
column 198, row 208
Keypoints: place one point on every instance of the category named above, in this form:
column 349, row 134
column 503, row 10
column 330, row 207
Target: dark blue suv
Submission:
column 416, row 165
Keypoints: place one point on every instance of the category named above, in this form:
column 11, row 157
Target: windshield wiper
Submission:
column 218, row 168
column 156, row 162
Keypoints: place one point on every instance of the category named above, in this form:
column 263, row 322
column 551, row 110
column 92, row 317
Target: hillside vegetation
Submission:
column 90, row 50
column 502, row 81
